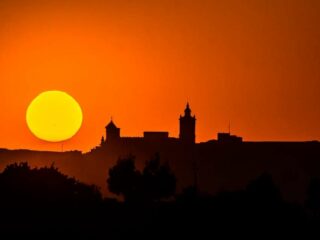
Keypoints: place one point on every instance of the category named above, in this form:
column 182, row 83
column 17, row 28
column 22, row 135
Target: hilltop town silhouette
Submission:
column 234, row 183
column 225, row 163
column 187, row 135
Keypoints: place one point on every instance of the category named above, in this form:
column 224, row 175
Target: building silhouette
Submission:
column 156, row 141
column 112, row 132
column 187, row 126
column 187, row 135
column 228, row 138
column 113, row 138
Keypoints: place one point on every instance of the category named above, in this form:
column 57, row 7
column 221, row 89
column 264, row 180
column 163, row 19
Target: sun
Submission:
column 54, row 116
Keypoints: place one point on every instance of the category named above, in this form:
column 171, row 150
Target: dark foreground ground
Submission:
column 42, row 203
column 239, row 214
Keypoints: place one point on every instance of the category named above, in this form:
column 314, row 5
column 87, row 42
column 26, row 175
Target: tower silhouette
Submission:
column 112, row 132
column 187, row 126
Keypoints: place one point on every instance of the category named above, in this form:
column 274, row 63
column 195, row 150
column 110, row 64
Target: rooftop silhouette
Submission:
column 187, row 134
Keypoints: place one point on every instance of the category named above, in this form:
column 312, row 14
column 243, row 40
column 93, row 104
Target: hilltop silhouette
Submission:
column 158, row 187
column 224, row 164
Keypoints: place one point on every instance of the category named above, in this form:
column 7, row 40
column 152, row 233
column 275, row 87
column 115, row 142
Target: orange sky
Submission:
column 255, row 63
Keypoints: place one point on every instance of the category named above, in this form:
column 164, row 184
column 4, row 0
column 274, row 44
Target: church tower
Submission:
column 187, row 126
column 112, row 132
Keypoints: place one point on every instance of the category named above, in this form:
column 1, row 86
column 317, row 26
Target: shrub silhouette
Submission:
column 154, row 183
column 19, row 184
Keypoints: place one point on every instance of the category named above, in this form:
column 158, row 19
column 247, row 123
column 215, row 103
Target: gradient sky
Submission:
column 255, row 63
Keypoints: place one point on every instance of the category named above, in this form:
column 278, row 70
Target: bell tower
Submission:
column 187, row 126
column 112, row 132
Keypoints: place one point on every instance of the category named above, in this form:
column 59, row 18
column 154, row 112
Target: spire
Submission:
column 187, row 126
column 187, row 111
column 111, row 124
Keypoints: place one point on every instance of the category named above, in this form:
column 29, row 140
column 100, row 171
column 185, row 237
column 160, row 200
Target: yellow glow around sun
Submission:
column 54, row 116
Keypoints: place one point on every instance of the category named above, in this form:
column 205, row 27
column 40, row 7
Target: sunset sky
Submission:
column 255, row 63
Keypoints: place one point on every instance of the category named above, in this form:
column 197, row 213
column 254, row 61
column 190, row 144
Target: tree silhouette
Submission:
column 262, row 201
column 263, row 189
column 124, row 179
column 154, row 183
column 158, row 180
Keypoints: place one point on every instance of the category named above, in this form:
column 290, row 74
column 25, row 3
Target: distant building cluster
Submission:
column 228, row 138
column 187, row 133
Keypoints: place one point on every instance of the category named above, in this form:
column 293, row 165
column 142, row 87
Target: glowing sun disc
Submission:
column 54, row 116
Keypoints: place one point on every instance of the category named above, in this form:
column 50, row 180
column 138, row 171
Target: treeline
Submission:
column 42, row 202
